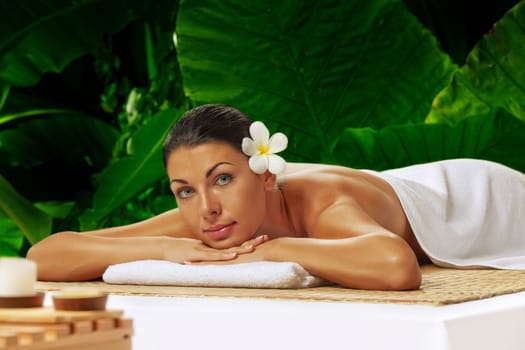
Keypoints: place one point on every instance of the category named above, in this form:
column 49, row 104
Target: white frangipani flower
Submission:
column 262, row 148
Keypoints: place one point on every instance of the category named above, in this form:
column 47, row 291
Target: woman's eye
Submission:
column 223, row 180
column 184, row 192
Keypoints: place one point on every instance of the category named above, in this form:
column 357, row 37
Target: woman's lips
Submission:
column 219, row 232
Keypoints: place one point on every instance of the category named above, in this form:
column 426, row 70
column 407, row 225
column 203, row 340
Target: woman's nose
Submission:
column 210, row 206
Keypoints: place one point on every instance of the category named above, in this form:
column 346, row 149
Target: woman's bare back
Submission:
column 310, row 188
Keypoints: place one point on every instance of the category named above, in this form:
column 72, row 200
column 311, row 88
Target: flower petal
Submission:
column 248, row 146
column 258, row 163
column 276, row 164
column 259, row 133
column 278, row 142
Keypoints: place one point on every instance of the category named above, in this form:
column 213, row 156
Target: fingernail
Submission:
column 249, row 246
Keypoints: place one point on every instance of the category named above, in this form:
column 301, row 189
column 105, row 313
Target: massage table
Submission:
column 454, row 310
column 233, row 323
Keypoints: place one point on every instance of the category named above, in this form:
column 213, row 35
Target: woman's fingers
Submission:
column 203, row 253
column 250, row 245
column 257, row 240
column 210, row 256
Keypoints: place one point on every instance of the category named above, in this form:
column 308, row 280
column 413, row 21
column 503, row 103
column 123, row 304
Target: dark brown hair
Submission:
column 207, row 123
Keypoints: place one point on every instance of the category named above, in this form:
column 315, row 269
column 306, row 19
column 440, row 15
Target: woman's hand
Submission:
column 188, row 250
column 261, row 250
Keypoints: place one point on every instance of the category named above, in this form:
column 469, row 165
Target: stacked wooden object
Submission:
column 77, row 320
column 47, row 328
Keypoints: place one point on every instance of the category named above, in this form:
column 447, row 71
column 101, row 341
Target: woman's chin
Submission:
column 224, row 244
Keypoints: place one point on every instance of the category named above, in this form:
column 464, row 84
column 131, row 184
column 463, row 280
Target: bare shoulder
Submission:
column 350, row 201
column 323, row 179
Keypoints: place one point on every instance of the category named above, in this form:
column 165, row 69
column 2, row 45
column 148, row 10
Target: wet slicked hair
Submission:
column 208, row 123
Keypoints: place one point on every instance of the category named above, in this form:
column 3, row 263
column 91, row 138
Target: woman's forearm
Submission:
column 71, row 256
column 375, row 261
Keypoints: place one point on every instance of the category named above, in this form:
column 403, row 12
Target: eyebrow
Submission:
column 208, row 173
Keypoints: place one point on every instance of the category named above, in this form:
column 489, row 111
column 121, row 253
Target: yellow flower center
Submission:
column 264, row 150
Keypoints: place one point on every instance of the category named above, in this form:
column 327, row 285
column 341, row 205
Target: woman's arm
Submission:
column 72, row 256
column 76, row 256
column 346, row 246
column 349, row 247
column 379, row 261
column 169, row 223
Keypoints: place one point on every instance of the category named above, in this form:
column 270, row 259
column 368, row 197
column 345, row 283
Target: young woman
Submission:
column 238, row 202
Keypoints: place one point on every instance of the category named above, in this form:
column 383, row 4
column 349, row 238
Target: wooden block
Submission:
column 26, row 334
column 23, row 329
column 80, row 327
column 8, row 339
column 115, row 339
column 121, row 344
column 124, row 323
column 51, row 330
column 77, row 333
column 55, row 331
column 50, row 315
column 104, row 324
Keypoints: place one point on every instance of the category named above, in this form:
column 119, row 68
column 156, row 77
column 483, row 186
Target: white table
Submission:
column 237, row 323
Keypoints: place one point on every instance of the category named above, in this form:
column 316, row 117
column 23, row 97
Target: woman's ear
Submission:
column 269, row 181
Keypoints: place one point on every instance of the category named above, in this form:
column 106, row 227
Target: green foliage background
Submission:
column 89, row 88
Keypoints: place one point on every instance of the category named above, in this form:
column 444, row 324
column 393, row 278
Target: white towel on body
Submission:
column 464, row 212
column 261, row 274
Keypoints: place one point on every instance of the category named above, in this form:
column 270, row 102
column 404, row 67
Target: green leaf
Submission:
column 453, row 22
column 311, row 68
column 56, row 209
column 11, row 239
column 4, row 92
column 31, row 221
column 493, row 77
column 68, row 135
column 126, row 178
column 495, row 137
column 48, row 152
column 39, row 36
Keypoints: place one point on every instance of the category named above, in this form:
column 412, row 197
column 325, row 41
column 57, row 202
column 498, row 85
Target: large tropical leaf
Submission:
column 4, row 92
column 493, row 77
column 453, row 23
column 126, row 178
column 80, row 138
column 11, row 239
column 497, row 137
column 32, row 222
column 311, row 68
column 39, row 36
column 49, row 153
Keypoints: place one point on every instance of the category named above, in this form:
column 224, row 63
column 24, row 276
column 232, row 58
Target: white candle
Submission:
column 17, row 277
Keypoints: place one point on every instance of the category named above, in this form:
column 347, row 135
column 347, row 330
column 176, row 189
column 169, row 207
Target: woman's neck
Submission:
column 279, row 217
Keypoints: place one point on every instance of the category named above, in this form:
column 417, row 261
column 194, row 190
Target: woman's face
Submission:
column 221, row 199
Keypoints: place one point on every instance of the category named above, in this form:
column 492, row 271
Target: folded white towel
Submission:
column 261, row 274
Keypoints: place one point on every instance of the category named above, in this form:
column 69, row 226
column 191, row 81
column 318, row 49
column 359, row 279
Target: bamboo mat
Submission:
column 440, row 286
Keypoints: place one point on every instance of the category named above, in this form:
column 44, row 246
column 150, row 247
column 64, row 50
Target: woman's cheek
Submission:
column 190, row 216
